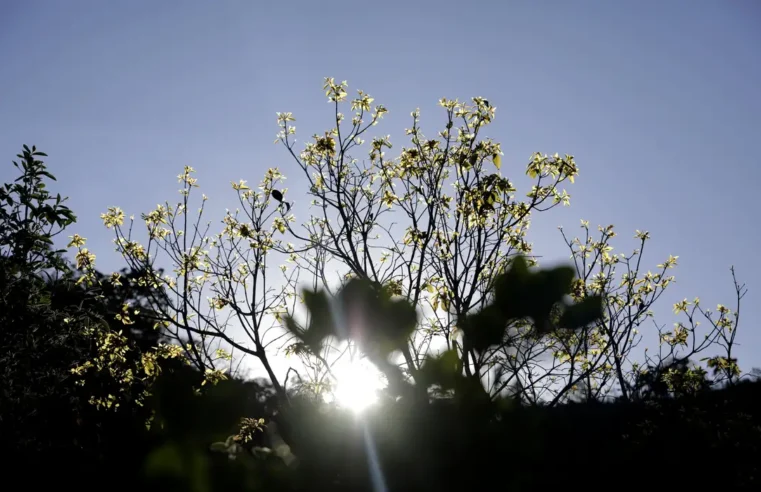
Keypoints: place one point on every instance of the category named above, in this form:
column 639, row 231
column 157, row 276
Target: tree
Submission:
column 47, row 321
column 71, row 345
column 436, row 227
column 37, row 341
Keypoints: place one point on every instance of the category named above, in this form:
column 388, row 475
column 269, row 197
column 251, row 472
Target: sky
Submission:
column 657, row 100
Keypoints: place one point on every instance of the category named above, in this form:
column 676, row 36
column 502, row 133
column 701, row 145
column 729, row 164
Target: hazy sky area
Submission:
column 657, row 100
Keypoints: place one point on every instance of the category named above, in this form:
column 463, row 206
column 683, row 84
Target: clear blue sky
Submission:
column 658, row 100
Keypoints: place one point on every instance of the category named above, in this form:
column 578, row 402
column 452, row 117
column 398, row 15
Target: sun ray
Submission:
column 356, row 385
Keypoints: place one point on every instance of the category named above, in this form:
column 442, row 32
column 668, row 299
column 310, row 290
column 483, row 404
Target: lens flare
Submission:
column 356, row 385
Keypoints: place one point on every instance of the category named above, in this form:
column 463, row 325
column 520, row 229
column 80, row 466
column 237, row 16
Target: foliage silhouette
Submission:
column 44, row 415
column 49, row 317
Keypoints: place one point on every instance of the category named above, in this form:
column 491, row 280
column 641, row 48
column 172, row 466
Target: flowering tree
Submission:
column 435, row 226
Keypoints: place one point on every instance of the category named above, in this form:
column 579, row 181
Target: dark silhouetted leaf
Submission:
column 584, row 312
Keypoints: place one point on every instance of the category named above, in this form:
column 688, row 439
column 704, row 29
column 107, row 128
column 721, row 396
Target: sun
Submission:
column 356, row 384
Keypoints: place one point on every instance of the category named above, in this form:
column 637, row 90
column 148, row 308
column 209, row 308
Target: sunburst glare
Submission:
column 357, row 383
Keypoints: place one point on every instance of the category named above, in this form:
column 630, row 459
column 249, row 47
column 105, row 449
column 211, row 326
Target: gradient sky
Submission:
column 657, row 100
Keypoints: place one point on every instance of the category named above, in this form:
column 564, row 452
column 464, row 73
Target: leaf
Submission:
column 320, row 321
column 510, row 291
column 444, row 301
column 578, row 315
column 379, row 323
column 557, row 282
column 442, row 370
column 522, row 293
column 497, row 159
column 485, row 328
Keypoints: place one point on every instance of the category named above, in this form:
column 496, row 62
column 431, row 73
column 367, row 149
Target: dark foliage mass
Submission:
column 45, row 418
column 444, row 432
